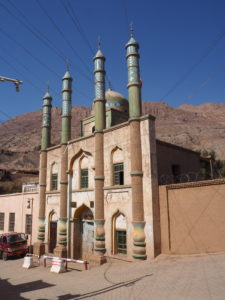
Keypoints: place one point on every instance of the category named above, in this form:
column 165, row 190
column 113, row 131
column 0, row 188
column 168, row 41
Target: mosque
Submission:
column 99, row 193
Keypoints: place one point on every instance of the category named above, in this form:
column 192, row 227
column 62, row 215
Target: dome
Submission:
column 116, row 100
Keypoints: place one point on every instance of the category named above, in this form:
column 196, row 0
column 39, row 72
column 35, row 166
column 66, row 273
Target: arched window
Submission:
column 81, row 170
column 119, row 234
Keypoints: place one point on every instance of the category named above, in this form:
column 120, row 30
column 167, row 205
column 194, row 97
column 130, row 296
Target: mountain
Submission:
column 194, row 127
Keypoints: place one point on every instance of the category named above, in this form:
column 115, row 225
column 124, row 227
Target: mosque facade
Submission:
column 98, row 193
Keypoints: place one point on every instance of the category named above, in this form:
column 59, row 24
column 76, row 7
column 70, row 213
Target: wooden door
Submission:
column 53, row 236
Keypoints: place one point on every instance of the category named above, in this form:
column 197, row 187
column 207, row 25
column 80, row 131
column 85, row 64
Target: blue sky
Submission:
column 182, row 49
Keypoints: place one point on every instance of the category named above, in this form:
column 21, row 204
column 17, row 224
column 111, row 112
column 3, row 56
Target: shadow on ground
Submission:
column 10, row 291
column 102, row 291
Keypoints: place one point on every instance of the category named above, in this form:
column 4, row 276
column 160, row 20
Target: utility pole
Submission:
column 17, row 82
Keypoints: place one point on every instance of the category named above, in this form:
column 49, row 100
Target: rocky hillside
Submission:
column 195, row 127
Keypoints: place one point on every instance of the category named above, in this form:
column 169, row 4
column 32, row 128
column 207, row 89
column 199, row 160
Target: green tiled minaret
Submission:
column 46, row 121
column 99, row 101
column 134, row 94
column 61, row 248
column 100, row 121
column 134, row 83
column 66, row 107
column 39, row 247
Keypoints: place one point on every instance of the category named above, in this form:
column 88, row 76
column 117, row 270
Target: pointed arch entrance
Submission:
column 53, row 220
column 83, row 233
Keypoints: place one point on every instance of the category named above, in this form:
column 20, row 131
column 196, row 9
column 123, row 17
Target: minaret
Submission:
column 66, row 107
column 134, row 83
column 134, row 92
column 100, row 121
column 61, row 248
column 39, row 247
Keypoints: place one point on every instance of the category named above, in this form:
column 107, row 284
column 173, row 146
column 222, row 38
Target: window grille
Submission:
column 11, row 221
column 54, row 182
column 118, row 174
column 2, row 218
column 84, row 178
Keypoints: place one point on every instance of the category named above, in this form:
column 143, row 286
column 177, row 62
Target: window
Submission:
column 176, row 172
column 121, row 241
column 118, row 175
column 11, row 221
column 28, row 226
column 84, row 178
column 2, row 217
column 54, row 182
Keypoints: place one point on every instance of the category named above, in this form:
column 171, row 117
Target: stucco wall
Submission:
column 168, row 155
column 192, row 217
column 18, row 204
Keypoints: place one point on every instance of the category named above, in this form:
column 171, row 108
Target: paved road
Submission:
column 199, row 277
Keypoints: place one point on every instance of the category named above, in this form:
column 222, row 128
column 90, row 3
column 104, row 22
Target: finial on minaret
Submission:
column 48, row 87
column 110, row 85
column 99, row 42
column 99, row 52
column 131, row 30
column 67, row 64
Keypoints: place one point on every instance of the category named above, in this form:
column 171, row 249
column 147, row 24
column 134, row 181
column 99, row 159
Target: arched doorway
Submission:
column 53, row 219
column 119, row 230
column 83, row 233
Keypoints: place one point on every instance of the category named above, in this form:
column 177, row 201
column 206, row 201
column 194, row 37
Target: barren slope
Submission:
column 194, row 127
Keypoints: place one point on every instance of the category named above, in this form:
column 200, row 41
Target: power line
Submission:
column 37, row 59
column 62, row 35
column 71, row 13
column 40, row 36
column 213, row 74
column 28, row 52
column 189, row 71
column 9, row 64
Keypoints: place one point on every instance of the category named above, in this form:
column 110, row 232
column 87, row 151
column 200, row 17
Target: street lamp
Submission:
column 30, row 206
column 17, row 82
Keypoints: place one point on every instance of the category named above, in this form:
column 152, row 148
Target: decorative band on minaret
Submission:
column 99, row 101
column 66, row 107
column 100, row 121
column 61, row 249
column 46, row 121
column 134, row 94
column 39, row 247
column 134, row 83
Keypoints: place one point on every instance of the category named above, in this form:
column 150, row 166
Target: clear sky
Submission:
column 182, row 48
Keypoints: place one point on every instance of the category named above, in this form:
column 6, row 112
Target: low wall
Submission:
column 192, row 217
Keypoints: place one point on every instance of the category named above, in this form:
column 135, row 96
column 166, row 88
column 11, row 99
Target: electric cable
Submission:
column 63, row 35
column 193, row 67
column 71, row 13
column 215, row 72
column 41, row 37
